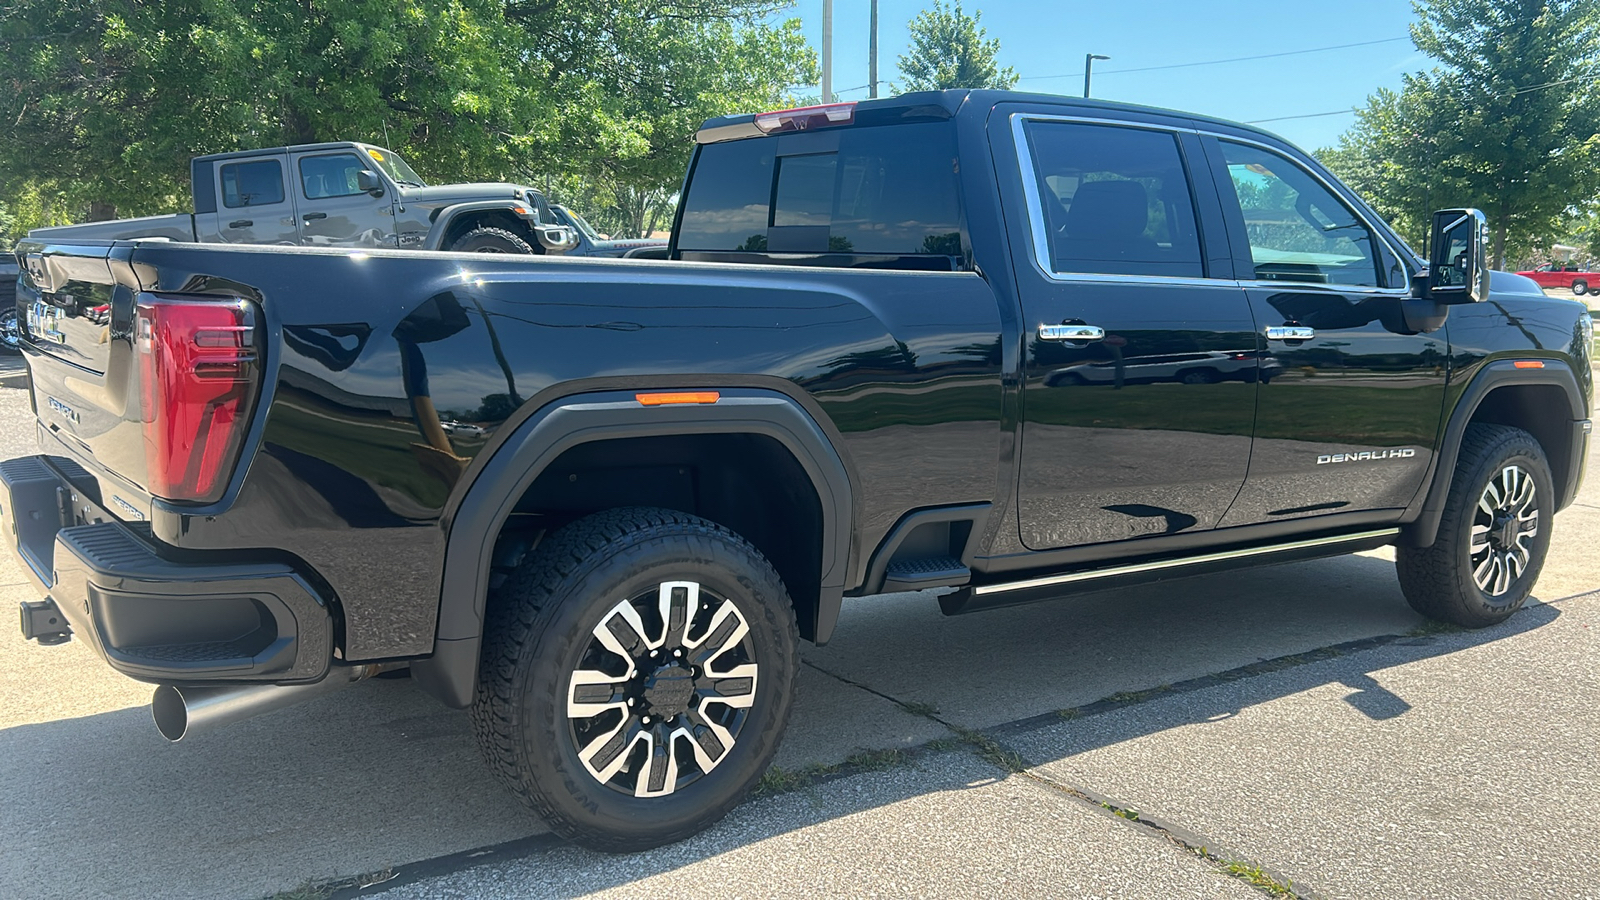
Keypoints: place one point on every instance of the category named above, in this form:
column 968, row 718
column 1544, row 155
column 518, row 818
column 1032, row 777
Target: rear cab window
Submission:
column 876, row 196
column 256, row 183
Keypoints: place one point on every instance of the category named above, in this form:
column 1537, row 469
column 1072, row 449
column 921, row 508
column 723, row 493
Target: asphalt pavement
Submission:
column 1292, row 728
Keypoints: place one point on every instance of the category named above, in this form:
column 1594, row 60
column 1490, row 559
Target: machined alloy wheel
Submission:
column 667, row 680
column 1494, row 532
column 636, row 676
column 1504, row 529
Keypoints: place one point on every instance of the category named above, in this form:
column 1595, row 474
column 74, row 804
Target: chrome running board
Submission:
column 1008, row 593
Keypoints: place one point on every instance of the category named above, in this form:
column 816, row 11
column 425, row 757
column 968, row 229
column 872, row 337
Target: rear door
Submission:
column 333, row 211
column 1350, row 398
column 1140, row 356
column 256, row 208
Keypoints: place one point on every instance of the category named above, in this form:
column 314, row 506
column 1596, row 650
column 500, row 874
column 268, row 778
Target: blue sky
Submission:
column 1039, row 38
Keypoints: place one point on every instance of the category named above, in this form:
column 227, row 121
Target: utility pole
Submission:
column 872, row 54
column 827, row 51
column 1088, row 64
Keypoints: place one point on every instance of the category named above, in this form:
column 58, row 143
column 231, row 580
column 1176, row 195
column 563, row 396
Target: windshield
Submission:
column 395, row 167
column 577, row 222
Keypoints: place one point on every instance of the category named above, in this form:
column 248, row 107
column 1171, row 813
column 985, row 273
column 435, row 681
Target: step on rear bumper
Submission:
column 206, row 619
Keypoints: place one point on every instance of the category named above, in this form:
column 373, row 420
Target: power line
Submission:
column 1215, row 62
column 1337, row 112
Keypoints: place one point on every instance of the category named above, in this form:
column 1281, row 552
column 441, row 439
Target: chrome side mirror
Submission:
column 1458, row 257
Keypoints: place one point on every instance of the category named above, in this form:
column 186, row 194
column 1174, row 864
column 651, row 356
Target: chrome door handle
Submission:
column 1071, row 333
column 1290, row 333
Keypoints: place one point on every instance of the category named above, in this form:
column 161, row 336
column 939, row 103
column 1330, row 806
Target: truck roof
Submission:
column 274, row 151
column 946, row 104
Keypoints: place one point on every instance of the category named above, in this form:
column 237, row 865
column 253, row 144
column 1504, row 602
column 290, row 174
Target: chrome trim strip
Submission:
column 1135, row 568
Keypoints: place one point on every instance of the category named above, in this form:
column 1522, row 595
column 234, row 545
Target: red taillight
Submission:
column 199, row 371
column 806, row 117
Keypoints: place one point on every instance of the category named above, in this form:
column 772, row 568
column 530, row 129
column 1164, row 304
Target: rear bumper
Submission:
column 205, row 619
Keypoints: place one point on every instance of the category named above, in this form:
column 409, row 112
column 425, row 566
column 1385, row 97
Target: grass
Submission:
column 1257, row 877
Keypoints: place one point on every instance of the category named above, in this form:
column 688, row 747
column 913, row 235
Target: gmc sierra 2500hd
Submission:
column 848, row 378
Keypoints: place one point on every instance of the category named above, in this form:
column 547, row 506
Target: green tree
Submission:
column 1505, row 123
column 949, row 50
column 108, row 99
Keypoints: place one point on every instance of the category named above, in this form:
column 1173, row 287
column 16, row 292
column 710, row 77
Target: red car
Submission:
column 1551, row 275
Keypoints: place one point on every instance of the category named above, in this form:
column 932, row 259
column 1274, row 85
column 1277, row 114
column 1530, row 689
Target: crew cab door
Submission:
column 333, row 211
column 1350, row 399
column 256, row 208
column 1139, row 347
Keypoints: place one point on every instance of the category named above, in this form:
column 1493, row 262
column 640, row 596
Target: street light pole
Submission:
column 827, row 51
column 872, row 54
column 1088, row 66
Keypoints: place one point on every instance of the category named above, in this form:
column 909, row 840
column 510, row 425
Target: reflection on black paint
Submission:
column 435, row 319
column 334, row 346
column 1176, row 521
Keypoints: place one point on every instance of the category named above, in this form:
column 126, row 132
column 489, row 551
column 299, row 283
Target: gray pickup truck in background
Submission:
column 342, row 194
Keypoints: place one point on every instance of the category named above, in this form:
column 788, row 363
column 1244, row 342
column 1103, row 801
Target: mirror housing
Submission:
column 368, row 180
column 1458, row 257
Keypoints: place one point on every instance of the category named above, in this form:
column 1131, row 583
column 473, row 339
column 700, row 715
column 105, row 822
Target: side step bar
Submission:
column 1011, row 593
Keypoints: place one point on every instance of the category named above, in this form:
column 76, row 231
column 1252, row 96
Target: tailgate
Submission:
column 149, row 388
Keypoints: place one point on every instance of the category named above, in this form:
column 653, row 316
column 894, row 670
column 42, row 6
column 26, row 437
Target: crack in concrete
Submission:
column 986, row 747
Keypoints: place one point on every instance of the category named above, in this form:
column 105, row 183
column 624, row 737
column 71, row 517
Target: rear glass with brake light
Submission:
column 200, row 371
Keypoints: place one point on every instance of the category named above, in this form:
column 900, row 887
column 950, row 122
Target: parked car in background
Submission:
column 1574, row 278
column 8, row 304
column 592, row 243
column 341, row 194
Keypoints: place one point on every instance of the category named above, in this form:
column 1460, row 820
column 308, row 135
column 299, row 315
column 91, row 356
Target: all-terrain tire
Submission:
column 544, row 624
column 486, row 239
column 1438, row 581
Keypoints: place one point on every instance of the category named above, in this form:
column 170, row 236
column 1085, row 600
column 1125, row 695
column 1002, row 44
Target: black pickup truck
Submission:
column 1005, row 345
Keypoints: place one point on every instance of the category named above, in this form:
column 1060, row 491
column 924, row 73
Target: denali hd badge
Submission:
column 1366, row 456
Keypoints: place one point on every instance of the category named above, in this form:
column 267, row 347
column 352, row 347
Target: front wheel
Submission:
column 636, row 677
column 492, row 240
column 10, row 330
column 1580, row 287
column 1493, row 536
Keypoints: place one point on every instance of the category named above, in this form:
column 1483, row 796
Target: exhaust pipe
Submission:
column 182, row 711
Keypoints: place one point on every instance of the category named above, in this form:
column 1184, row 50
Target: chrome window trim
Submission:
column 1344, row 201
column 1036, row 223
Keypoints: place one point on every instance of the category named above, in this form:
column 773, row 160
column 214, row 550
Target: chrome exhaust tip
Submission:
column 180, row 711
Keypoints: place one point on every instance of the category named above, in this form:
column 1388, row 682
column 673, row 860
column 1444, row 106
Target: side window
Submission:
column 888, row 190
column 256, row 183
column 330, row 176
column 1299, row 231
column 1115, row 200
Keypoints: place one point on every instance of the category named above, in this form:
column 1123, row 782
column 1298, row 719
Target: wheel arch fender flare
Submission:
column 450, row 216
column 561, row 424
column 1424, row 528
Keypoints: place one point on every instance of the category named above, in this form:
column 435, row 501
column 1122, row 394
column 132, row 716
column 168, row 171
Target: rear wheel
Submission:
column 485, row 239
column 1493, row 536
column 1580, row 287
column 637, row 674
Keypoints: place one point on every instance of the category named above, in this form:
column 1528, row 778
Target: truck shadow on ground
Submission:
column 380, row 776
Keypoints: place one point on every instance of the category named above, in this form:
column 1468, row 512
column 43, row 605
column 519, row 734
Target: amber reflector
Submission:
column 1528, row 364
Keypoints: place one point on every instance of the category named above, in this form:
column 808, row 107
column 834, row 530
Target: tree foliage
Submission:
column 1506, row 122
column 949, row 50
column 106, row 100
